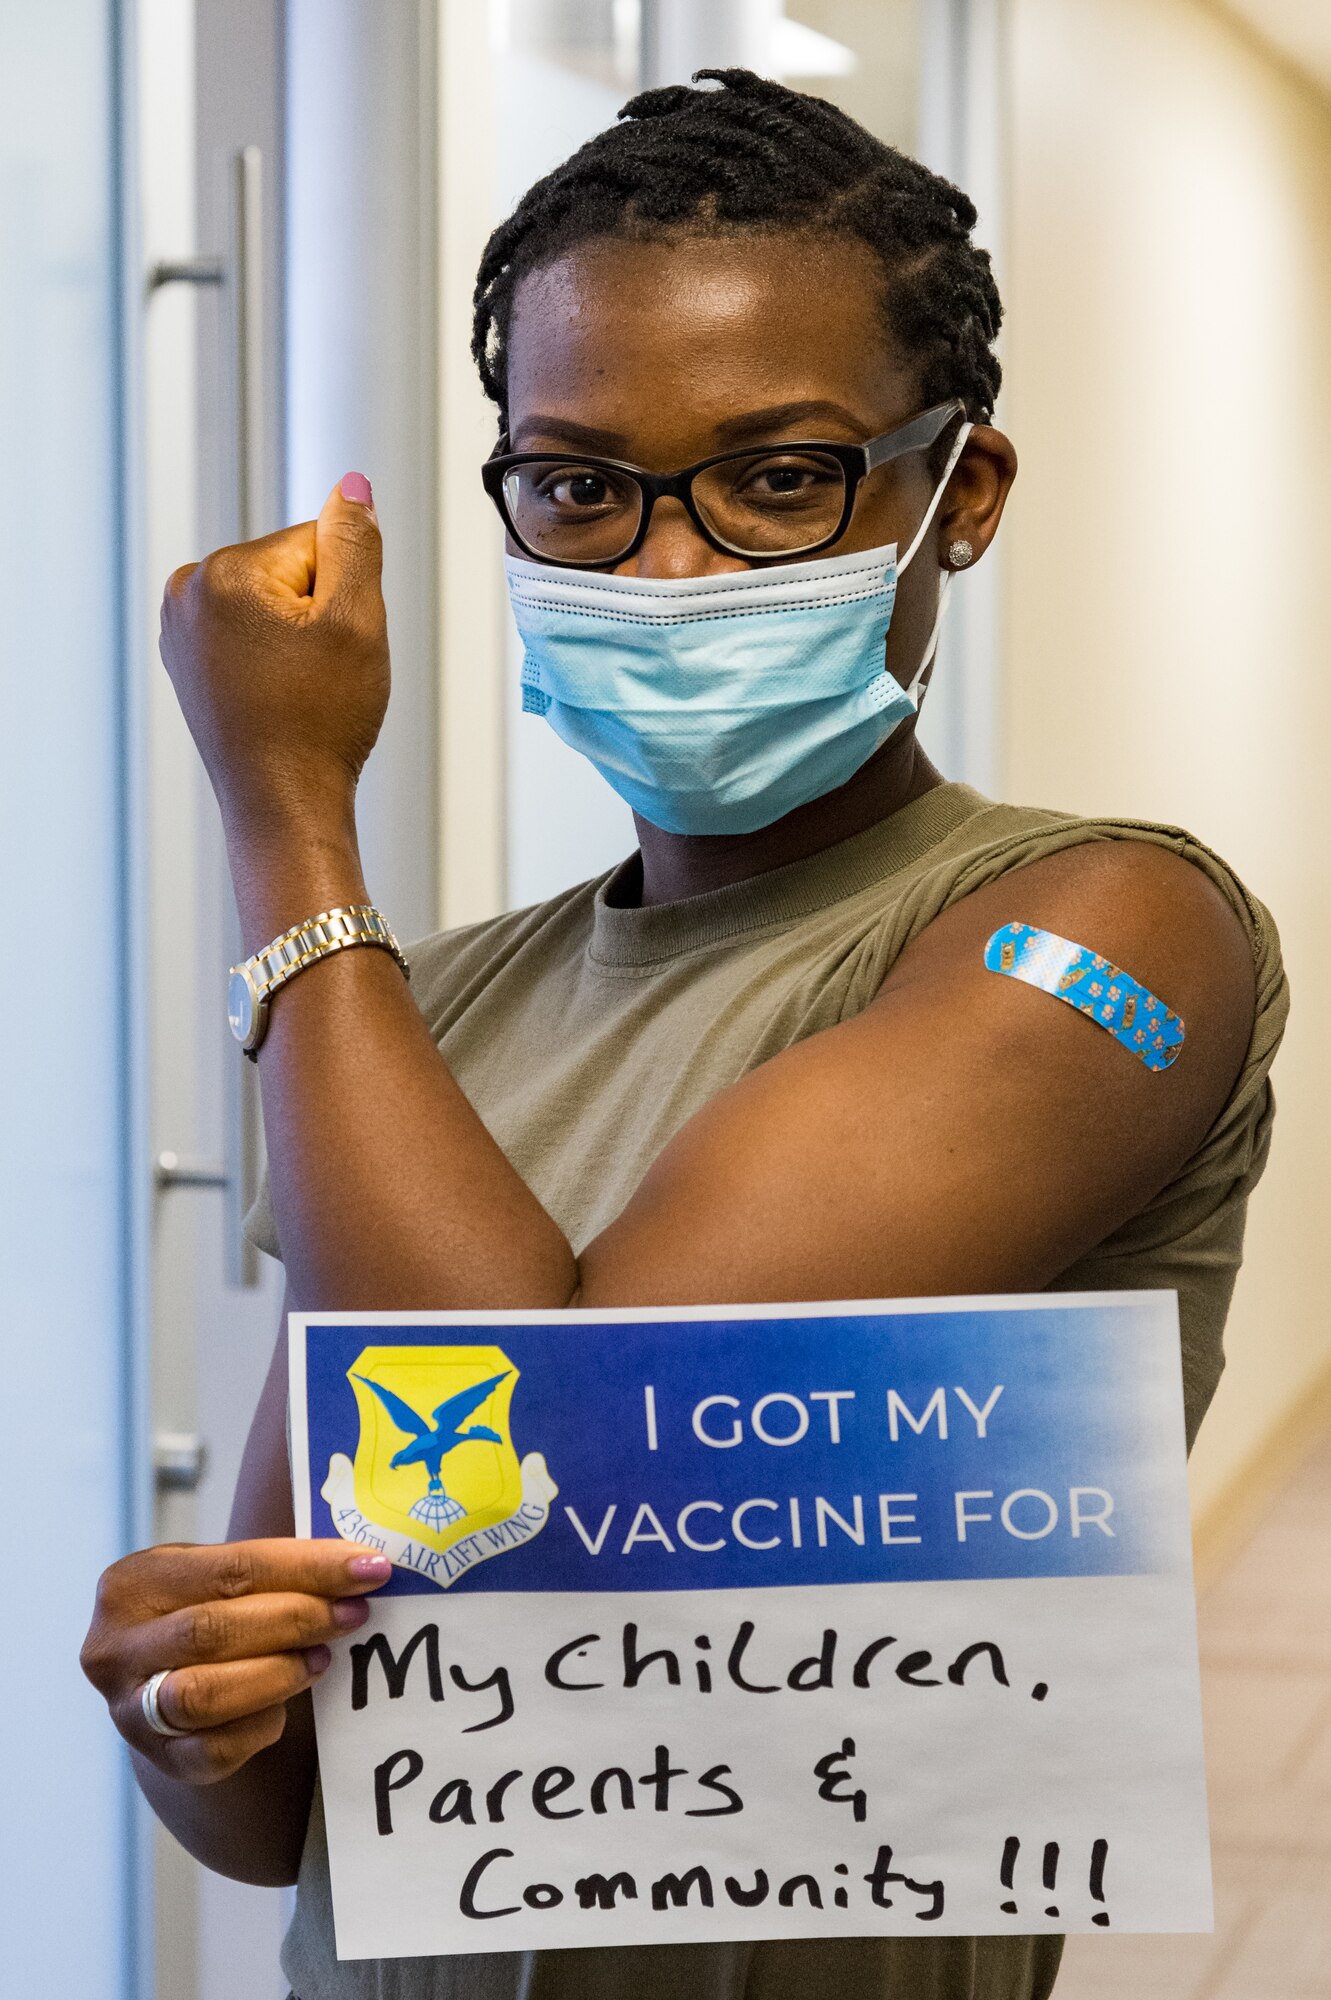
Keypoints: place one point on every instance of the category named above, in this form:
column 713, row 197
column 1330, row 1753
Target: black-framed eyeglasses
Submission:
column 766, row 501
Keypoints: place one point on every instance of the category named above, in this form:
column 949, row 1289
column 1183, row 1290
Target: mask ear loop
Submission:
column 915, row 691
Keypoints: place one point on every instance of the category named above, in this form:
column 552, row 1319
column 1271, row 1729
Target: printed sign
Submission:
column 787, row 1621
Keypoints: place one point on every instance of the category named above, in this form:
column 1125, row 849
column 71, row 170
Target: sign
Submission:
column 785, row 1621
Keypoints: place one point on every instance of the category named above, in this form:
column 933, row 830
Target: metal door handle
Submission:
column 251, row 438
column 186, row 271
column 238, row 1174
column 243, row 1113
column 181, row 1170
column 180, row 1460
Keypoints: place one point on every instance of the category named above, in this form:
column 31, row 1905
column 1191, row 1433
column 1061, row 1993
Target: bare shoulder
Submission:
column 1131, row 893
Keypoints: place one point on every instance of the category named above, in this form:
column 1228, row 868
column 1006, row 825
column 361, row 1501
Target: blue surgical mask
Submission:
column 717, row 704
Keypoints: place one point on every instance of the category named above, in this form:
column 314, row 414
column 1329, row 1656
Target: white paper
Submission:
column 1001, row 1716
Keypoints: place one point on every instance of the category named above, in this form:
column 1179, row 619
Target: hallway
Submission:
column 1265, row 1633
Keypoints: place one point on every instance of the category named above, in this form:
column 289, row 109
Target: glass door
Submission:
column 71, row 995
column 210, row 180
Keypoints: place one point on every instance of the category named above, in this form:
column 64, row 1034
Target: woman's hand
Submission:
column 278, row 653
column 243, row 1626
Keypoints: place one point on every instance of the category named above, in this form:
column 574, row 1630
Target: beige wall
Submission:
column 883, row 91
column 1168, row 637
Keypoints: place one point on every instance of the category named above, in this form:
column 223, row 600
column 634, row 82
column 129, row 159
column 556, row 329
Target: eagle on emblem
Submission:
column 434, row 1437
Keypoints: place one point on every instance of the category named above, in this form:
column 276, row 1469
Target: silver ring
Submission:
column 152, row 1714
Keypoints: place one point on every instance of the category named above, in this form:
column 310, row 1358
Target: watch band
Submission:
column 253, row 983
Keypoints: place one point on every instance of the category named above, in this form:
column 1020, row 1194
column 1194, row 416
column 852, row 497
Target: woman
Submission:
column 763, row 1059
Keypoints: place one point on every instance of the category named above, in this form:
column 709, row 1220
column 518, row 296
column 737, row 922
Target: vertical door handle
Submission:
column 238, row 1174
column 251, row 437
column 243, row 1137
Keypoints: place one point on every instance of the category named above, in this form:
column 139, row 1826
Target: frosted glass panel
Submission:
column 61, row 1842
column 560, row 76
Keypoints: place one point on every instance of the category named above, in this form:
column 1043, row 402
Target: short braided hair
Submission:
column 753, row 155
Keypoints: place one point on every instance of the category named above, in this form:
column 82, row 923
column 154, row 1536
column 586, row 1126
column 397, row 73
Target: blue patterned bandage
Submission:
column 1109, row 996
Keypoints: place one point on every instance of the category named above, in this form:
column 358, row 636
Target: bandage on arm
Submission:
column 1094, row 985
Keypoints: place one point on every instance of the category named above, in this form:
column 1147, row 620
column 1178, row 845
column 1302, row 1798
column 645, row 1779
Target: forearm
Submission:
column 387, row 1187
column 250, row 1826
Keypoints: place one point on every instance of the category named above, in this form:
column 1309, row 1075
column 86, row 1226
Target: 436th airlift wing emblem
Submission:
column 435, row 1483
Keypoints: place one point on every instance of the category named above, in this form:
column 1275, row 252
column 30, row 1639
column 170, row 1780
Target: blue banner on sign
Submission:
column 825, row 1446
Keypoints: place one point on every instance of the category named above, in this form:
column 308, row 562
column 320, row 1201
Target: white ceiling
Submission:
column 1299, row 29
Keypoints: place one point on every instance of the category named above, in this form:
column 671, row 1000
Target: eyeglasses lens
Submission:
column 774, row 504
column 764, row 504
column 570, row 512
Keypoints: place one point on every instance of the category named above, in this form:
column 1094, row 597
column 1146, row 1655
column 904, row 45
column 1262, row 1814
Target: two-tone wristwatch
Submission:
column 253, row 984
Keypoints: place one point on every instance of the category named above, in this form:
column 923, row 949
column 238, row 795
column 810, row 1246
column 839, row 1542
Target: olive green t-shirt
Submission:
column 585, row 1035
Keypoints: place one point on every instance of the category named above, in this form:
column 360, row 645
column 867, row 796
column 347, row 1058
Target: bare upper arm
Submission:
column 966, row 1133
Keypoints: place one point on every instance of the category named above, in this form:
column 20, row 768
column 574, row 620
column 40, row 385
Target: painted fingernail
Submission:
column 355, row 486
column 370, row 1569
column 317, row 1658
column 350, row 1611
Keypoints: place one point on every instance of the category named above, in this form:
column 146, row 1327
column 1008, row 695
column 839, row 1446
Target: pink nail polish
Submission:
column 370, row 1569
column 317, row 1658
column 348, row 1611
column 355, row 486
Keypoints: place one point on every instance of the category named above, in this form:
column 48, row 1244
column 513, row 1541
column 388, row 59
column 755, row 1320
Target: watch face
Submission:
column 240, row 1006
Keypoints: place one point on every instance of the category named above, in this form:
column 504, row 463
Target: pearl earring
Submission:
column 960, row 553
